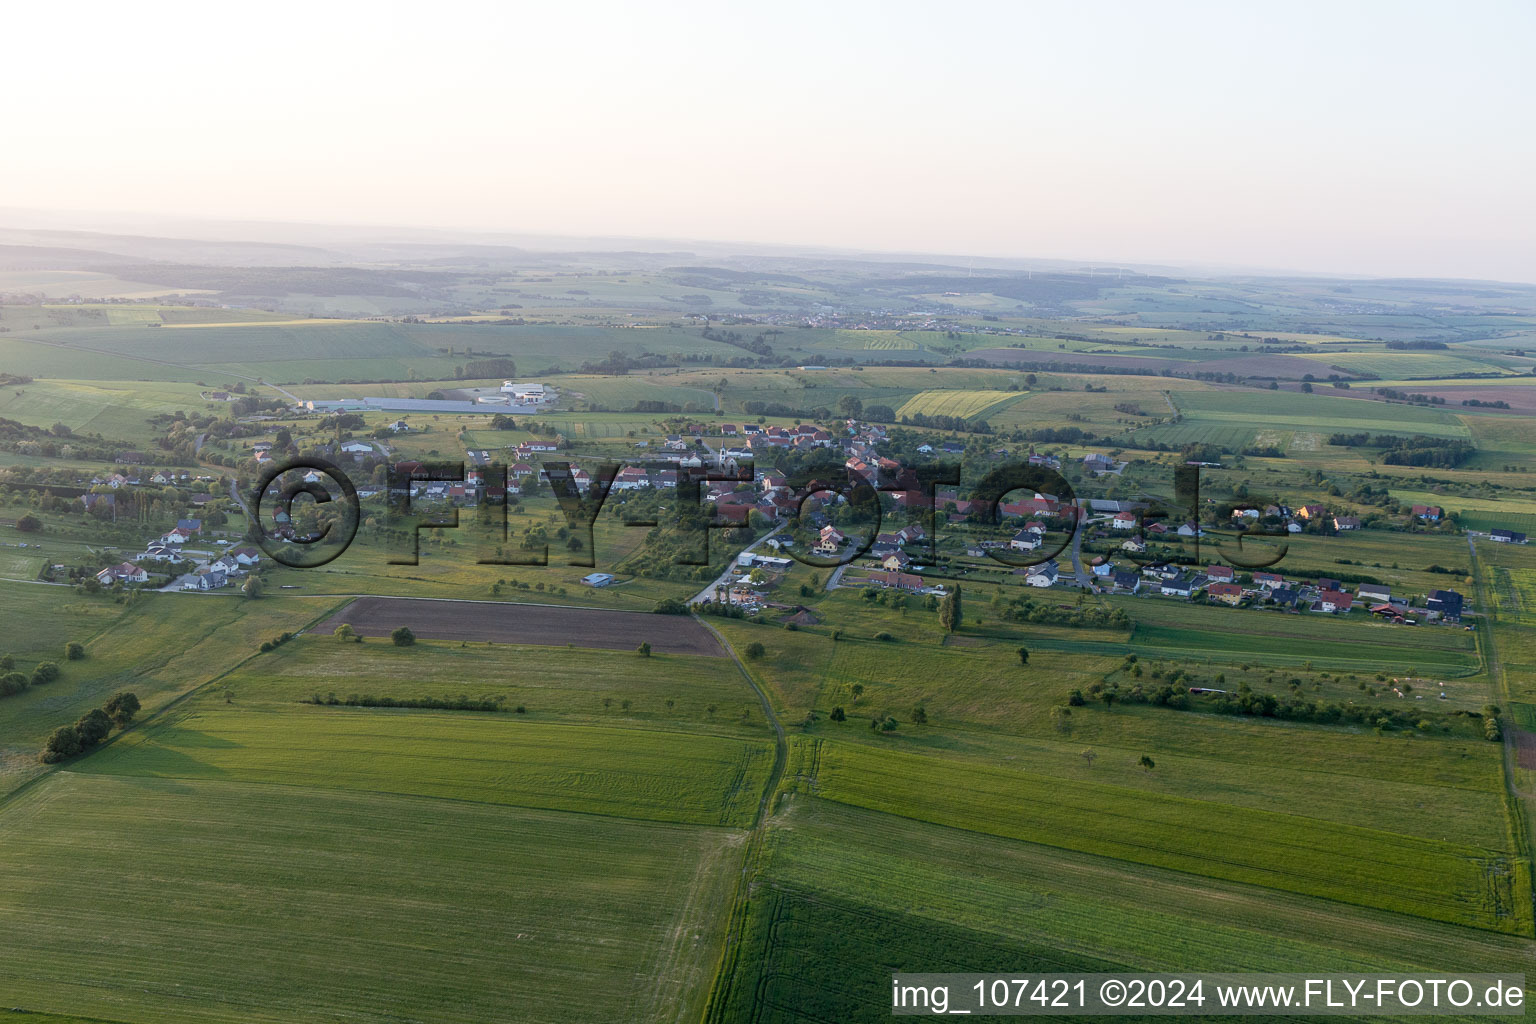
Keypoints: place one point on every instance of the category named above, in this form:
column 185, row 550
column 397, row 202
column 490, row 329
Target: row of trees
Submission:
column 91, row 728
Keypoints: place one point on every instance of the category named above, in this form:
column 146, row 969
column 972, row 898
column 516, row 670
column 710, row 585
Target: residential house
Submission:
column 1125, row 580
column 1178, row 586
column 1226, row 593
column 1125, row 521
column 896, row 580
column 122, row 572
column 830, row 541
column 246, row 555
column 1508, row 537
column 1428, row 513
column 1025, row 540
column 1332, row 601
column 1446, row 602
column 1344, row 523
column 1043, row 575
column 1311, row 512
column 1374, row 592
column 1219, row 573
column 207, row 581
column 631, row 478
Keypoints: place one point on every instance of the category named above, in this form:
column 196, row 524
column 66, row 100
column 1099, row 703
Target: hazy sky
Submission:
column 1390, row 138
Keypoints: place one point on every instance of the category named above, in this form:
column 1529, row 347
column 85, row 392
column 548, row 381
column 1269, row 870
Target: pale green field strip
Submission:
column 547, row 680
column 1441, row 881
column 966, row 404
column 478, row 756
column 149, row 900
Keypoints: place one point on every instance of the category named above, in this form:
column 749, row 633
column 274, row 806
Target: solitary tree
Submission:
column 857, row 689
column 1146, row 762
column 29, row 523
column 345, row 632
column 403, row 637
column 74, row 650
column 838, row 715
column 1089, row 755
column 44, row 672
column 919, row 715
column 756, row 650
column 1023, row 655
column 644, row 650
column 253, row 587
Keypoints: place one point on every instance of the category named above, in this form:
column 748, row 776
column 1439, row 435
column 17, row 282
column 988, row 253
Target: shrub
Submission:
column 403, row 637
column 756, row 650
column 29, row 523
column 670, row 606
column 74, row 651
column 44, row 672
column 887, row 637
column 644, row 650
column 12, row 682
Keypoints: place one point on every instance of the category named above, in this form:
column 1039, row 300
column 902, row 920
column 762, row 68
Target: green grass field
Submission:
column 160, row 648
column 234, row 902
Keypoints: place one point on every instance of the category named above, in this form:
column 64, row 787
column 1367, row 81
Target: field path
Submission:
column 1496, row 670
column 731, row 948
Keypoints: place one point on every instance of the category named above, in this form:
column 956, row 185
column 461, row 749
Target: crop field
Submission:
column 1321, row 413
column 117, row 410
column 1442, row 881
column 622, row 393
column 160, row 648
column 835, row 872
column 964, row 404
column 588, row 684
column 289, row 352
column 1283, row 639
column 526, row 624
column 482, row 756
column 312, row 905
column 1408, row 365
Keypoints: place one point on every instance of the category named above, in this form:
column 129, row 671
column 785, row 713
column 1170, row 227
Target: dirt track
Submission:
column 541, row 625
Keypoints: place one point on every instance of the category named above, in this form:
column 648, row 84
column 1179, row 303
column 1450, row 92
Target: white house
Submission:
column 1024, row 540
column 1044, row 575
